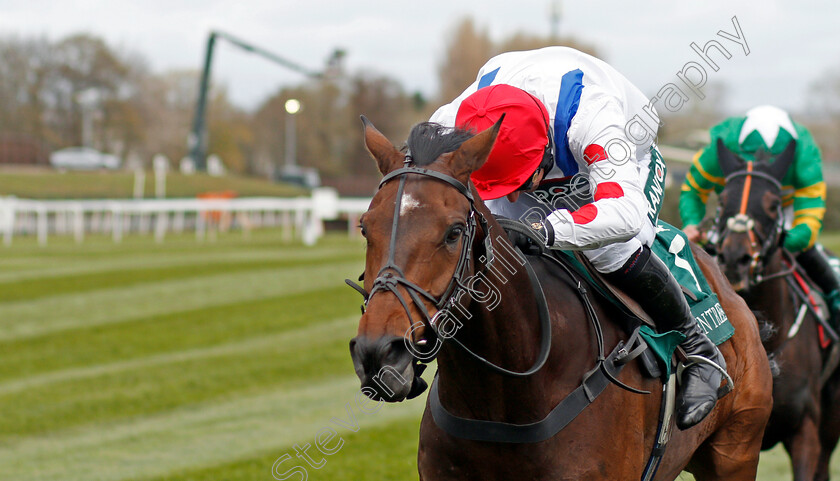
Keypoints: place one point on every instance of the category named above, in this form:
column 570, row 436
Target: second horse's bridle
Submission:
column 761, row 247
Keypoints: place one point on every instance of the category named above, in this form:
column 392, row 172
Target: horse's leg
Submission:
column 830, row 426
column 731, row 451
column 804, row 449
column 727, row 456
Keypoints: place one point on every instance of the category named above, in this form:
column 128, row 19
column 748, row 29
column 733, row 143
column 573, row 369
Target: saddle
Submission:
column 534, row 207
column 671, row 247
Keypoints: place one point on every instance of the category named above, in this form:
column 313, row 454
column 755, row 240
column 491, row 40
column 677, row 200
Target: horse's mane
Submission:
column 428, row 140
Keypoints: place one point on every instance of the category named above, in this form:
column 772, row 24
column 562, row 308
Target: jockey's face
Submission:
column 535, row 182
column 538, row 177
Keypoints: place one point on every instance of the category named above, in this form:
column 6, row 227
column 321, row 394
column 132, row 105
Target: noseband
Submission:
column 391, row 275
column 606, row 369
column 761, row 248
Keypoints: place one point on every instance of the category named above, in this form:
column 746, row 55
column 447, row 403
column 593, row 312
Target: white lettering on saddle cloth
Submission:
column 655, row 189
column 711, row 318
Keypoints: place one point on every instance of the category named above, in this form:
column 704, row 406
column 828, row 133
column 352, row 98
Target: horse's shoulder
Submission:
column 709, row 267
column 717, row 281
column 737, row 310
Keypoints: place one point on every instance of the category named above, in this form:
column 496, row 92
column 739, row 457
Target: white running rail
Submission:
column 301, row 217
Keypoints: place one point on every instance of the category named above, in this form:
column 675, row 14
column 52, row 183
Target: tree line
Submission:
column 81, row 91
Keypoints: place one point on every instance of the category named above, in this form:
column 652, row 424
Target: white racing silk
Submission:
column 603, row 128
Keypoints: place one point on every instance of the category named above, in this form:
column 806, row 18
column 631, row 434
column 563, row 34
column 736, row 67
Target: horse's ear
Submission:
column 381, row 149
column 780, row 166
column 729, row 162
column 474, row 152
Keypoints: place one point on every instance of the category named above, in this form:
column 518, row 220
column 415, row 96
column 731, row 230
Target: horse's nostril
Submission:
column 737, row 260
column 393, row 351
column 371, row 354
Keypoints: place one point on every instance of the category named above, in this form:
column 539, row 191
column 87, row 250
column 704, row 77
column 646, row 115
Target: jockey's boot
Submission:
column 648, row 281
column 816, row 265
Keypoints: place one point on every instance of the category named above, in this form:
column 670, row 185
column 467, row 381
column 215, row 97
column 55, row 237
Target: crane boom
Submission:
column 197, row 140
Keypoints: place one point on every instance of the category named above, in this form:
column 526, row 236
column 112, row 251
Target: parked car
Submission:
column 307, row 177
column 83, row 158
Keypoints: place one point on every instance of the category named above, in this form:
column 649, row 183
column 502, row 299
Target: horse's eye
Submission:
column 453, row 234
column 362, row 230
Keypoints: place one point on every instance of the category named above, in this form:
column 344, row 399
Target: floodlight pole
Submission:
column 197, row 140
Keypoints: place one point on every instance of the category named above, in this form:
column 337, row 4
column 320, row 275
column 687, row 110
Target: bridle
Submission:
column 607, row 367
column 761, row 247
column 390, row 276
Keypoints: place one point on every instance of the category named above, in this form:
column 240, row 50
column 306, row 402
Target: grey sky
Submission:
column 791, row 43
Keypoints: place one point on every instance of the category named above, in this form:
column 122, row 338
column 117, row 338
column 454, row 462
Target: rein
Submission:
column 390, row 275
column 760, row 248
column 606, row 371
column 607, row 367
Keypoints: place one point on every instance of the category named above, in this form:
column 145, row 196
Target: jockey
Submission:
column 770, row 129
column 569, row 110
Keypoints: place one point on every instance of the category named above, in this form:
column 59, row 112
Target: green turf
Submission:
column 193, row 361
column 50, row 184
column 389, row 454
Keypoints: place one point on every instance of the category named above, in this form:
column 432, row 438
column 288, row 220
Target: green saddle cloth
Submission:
column 673, row 248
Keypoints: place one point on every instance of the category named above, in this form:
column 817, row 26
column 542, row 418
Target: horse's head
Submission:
column 420, row 229
column 750, row 223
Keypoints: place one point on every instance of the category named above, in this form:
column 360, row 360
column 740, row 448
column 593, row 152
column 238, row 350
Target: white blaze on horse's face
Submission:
column 408, row 203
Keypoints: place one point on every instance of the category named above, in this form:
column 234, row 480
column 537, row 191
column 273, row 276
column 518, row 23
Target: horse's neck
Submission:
column 504, row 309
column 773, row 299
column 503, row 326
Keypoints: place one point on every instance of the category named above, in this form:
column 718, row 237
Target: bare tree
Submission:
column 467, row 48
column 526, row 41
column 25, row 69
column 328, row 127
column 382, row 100
column 230, row 134
column 88, row 80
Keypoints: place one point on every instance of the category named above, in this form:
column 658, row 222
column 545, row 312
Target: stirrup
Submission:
column 692, row 360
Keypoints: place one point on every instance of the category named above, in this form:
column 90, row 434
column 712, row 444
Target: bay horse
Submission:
column 432, row 243
column 748, row 239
